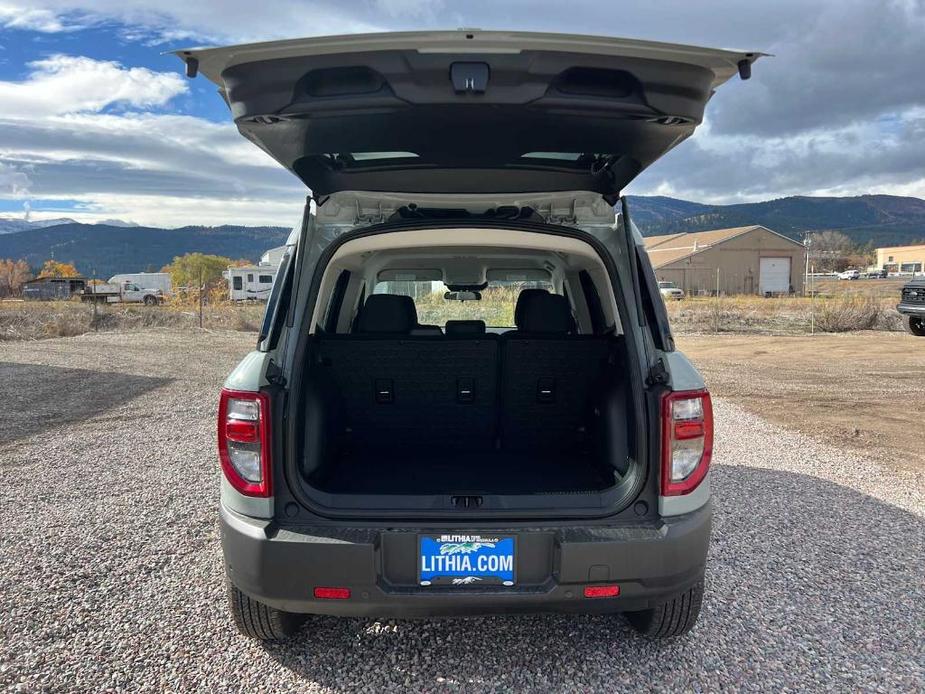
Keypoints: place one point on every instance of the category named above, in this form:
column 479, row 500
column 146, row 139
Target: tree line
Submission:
column 185, row 271
column 833, row 251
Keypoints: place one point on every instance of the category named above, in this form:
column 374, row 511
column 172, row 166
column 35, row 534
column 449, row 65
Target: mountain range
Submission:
column 114, row 246
column 879, row 220
column 103, row 250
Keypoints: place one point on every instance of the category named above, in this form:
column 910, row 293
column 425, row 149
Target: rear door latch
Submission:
column 469, row 77
column 466, row 501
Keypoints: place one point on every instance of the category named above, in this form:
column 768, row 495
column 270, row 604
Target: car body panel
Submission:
column 912, row 301
column 466, row 111
column 616, row 105
column 650, row 561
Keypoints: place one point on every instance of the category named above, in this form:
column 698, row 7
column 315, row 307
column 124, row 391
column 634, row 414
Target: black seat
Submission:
column 392, row 314
column 551, row 377
column 539, row 312
column 389, row 314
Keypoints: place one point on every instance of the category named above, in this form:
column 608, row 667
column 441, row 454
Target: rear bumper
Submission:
column 281, row 567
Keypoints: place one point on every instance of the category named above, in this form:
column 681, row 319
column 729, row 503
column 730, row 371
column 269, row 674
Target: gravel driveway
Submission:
column 111, row 577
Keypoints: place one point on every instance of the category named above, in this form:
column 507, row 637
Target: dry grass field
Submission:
column 786, row 316
column 862, row 391
column 38, row 320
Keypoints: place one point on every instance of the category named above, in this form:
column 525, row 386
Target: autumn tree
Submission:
column 53, row 268
column 831, row 250
column 186, row 270
column 12, row 275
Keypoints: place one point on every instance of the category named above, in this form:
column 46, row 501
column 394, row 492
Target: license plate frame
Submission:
column 467, row 560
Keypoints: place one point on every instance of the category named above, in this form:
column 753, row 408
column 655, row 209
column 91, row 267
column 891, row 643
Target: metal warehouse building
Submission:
column 742, row 260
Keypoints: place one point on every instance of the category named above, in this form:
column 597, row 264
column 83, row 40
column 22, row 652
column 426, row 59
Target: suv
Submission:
column 465, row 397
column 670, row 290
column 912, row 307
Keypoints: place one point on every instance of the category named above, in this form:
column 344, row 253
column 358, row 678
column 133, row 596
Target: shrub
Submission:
column 848, row 312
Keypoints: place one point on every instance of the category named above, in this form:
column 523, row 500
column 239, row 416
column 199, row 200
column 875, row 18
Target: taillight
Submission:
column 687, row 440
column 244, row 441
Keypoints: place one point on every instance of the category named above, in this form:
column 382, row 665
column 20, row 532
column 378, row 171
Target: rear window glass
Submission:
column 495, row 307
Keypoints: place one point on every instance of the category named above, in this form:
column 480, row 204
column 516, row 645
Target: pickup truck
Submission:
column 912, row 307
column 126, row 292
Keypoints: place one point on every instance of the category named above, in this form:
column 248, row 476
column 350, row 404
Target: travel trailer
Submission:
column 254, row 282
column 251, row 282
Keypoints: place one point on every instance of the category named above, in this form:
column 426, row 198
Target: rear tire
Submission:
column 674, row 618
column 258, row 621
column 915, row 325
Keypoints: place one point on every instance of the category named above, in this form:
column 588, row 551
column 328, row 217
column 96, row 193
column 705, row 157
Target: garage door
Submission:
column 774, row 276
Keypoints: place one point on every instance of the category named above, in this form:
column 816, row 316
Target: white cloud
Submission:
column 57, row 142
column 854, row 159
column 835, row 112
column 72, row 84
column 13, row 182
column 17, row 16
column 207, row 20
column 171, row 211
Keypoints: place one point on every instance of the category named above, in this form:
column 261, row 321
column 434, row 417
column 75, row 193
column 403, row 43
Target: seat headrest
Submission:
column 465, row 327
column 387, row 313
column 538, row 311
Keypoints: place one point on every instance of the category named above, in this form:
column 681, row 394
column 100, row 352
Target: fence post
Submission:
column 200, row 297
column 812, row 302
column 93, row 300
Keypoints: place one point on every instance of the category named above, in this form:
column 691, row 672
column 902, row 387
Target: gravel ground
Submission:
column 111, row 573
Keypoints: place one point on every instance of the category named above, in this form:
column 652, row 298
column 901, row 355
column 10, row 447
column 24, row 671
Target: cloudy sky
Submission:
column 96, row 123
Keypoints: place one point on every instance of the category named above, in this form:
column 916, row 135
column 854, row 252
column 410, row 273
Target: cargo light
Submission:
column 687, row 440
column 244, row 441
column 602, row 591
column 329, row 593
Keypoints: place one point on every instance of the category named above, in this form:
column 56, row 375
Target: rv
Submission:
column 251, row 282
column 273, row 256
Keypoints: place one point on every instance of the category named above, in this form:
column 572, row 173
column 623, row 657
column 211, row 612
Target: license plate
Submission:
column 466, row 560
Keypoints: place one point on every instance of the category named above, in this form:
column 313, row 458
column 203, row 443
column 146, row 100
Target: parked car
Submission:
column 849, row 275
column 401, row 443
column 670, row 291
column 912, row 307
column 874, row 275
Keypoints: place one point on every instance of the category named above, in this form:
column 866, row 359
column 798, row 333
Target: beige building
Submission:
column 901, row 258
column 742, row 260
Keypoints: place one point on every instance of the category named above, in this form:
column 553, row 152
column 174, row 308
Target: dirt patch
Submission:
column 863, row 391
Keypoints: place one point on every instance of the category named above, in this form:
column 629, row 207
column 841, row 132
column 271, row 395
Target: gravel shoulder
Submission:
column 111, row 576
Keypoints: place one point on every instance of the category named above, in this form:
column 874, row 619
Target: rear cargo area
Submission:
column 510, row 414
column 477, row 472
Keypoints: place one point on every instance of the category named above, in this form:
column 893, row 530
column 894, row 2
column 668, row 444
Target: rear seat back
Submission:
column 413, row 392
column 535, row 388
column 398, row 389
column 551, row 378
